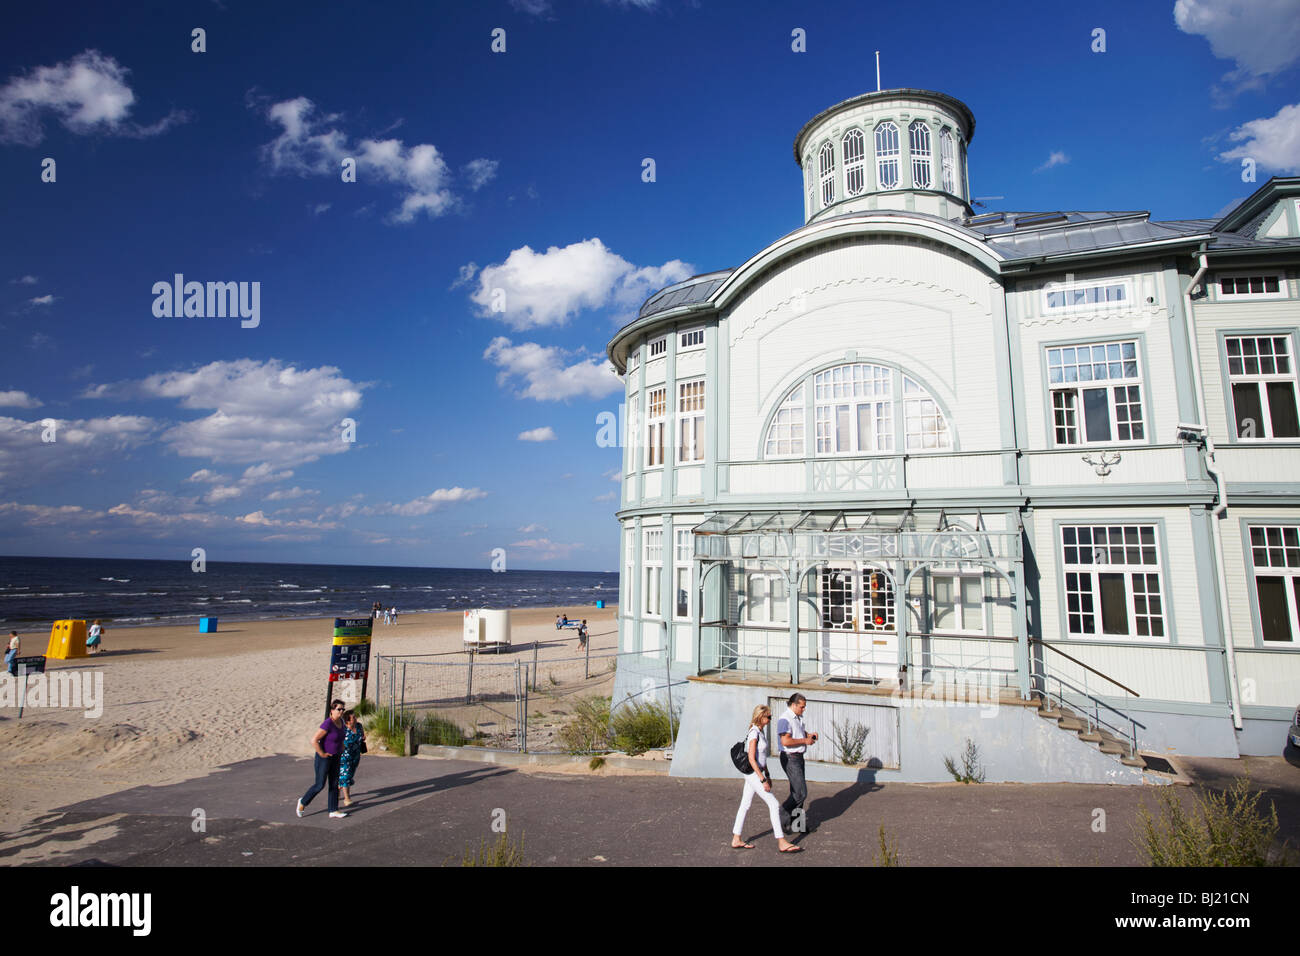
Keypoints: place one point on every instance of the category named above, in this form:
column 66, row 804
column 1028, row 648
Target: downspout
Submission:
column 1221, row 485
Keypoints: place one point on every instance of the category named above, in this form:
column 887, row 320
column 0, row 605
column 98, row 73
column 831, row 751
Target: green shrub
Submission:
column 887, row 855
column 640, row 726
column 504, row 852
column 596, row 763
column 1222, row 829
column 439, row 731
column 365, row 706
column 388, row 726
column 850, row 742
column 587, row 731
column 971, row 769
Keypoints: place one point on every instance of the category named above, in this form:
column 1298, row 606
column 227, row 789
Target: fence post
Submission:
column 469, row 680
column 402, row 709
column 586, row 664
column 535, row 643
column 668, row 673
column 520, row 729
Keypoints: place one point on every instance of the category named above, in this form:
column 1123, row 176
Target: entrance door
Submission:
column 859, row 639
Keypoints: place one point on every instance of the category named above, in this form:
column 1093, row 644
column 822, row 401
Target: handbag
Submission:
column 740, row 757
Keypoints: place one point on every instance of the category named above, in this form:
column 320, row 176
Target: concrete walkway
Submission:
column 428, row 812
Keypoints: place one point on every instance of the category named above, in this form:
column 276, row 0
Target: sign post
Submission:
column 349, row 655
column 35, row 665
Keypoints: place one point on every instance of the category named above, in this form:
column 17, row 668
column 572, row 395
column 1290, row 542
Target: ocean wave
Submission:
column 286, row 585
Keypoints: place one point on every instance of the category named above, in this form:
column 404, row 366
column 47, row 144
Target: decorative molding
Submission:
column 1103, row 463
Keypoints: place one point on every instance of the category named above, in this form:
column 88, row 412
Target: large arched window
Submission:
column 948, row 157
column 919, row 141
column 855, row 151
column 857, row 409
column 826, row 168
column 887, row 156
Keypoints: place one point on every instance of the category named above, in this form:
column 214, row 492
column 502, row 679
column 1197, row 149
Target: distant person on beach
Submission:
column 353, row 742
column 394, row 614
column 12, row 652
column 388, row 615
column 759, row 783
column 328, row 744
column 93, row 638
column 374, row 611
column 559, row 621
column 582, row 635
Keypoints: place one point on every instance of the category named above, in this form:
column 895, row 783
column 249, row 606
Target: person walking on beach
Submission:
column 328, row 744
column 582, row 635
column 354, row 740
column 93, row 638
column 759, row 783
column 793, row 741
column 394, row 614
column 11, row 654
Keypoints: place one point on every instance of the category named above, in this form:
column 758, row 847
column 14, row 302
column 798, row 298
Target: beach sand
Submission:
column 178, row 704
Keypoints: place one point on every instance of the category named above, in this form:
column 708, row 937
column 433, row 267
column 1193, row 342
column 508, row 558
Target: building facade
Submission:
column 908, row 446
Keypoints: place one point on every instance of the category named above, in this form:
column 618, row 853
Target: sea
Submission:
column 37, row 591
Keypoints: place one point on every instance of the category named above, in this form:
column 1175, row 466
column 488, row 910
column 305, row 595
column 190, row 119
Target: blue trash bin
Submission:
column 600, row 604
column 207, row 625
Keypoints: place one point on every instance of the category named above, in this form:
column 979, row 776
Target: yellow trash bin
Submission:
column 67, row 639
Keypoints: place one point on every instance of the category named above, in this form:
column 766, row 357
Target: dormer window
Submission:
column 855, row 167
column 919, row 141
column 887, row 156
column 826, row 166
column 948, row 157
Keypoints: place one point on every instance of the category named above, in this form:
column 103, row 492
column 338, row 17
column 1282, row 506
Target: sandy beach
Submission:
column 178, row 704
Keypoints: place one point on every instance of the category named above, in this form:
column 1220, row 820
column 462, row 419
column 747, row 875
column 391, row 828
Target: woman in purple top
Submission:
column 328, row 744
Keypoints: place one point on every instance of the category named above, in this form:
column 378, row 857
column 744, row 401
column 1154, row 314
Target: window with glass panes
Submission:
column 785, row 434
column 690, row 421
column 924, row 426
column 1098, row 295
column 919, row 145
column 632, row 429
column 1259, row 286
column 682, row 573
column 1096, row 393
column 765, row 598
column 659, row 347
column 653, row 560
column 855, row 166
column 1112, row 581
column 1275, row 555
column 887, row 156
column 629, row 563
column 958, row 602
column 689, row 339
column 854, row 409
column 1263, row 380
column 948, row 160
column 826, row 169
column 656, row 411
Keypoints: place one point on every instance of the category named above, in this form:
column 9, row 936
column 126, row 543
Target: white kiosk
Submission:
column 486, row 629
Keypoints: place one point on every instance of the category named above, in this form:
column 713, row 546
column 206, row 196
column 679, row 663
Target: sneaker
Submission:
column 337, row 815
column 300, row 808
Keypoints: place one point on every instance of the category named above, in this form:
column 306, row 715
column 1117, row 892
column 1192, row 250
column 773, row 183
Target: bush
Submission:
column 365, row 706
column 887, row 855
column 596, row 763
column 971, row 770
column 439, row 731
column 850, row 742
column 388, row 726
column 504, row 852
column 588, row 730
column 1223, row 829
column 640, row 726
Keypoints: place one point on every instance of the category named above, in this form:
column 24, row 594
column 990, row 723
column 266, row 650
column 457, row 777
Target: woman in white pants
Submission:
column 759, row 783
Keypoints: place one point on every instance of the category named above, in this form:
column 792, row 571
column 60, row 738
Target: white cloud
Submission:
column 614, row 474
column 222, row 493
column 1262, row 37
column 79, row 445
column 608, row 496
column 533, row 529
column 546, row 377
column 205, row 476
column 534, row 289
column 545, row 433
column 41, row 300
column 311, row 143
column 466, row 275
column 317, row 209
column 288, row 494
column 1273, row 142
column 535, row 8
column 430, row 502
column 87, row 94
column 545, row 549
column 16, row 399
column 263, row 411
column 1057, row 158
column 24, row 280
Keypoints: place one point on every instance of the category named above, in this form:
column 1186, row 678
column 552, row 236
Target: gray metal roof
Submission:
column 692, row 291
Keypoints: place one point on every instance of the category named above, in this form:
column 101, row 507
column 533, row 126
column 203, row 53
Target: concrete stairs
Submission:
column 1072, row 722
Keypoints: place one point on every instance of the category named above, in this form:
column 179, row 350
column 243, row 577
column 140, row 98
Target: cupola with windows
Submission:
column 892, row 149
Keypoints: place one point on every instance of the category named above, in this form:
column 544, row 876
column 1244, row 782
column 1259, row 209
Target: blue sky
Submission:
column 475, row 170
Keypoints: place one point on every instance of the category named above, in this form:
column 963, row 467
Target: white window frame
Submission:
column 1286, row 551
column 1261, row 380
column 690, row 340
column 656, row 420
column 958, row 606
column 767, row 608
column 889, row 156
column 652, row 555
column 826, row 173
column 632, row 430
column 789, row 426
column 629, row 605
column 855, row 162
column 1108, row 385
column 840, row 399
column 923, row 420
column 948, row 160
column 921, row 155
column 683, row 555
column 1236, row 296
column 632, row 359
column 658, row 348
column 689, row 433
column 1075, row 296
column 1094, row 557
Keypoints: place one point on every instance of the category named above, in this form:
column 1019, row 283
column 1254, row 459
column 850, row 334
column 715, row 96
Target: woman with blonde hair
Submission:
column 759, row 783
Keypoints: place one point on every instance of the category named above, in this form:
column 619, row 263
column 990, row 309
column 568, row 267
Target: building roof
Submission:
column 691, row 291
column 950, row 103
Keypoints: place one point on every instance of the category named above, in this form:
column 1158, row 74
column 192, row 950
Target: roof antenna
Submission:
column 877, row 71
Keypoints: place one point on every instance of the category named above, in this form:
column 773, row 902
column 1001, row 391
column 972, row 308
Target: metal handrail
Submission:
column 1095, row 719
column 1051, row 647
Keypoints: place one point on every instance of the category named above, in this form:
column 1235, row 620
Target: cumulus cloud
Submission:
column 1261, row 37
column 41, row 300
column 1057, row 158
column 262, row 411
column 546, row 433
column 533, row 289
column 1273, row 142
column 430, row 502
column 533, row 529
column 288, row 494
column 16, row 399
column 24, row 280
column 465, row 275
column 87, row 94
column 545, row 375
column 311, row 143
column 35, row 451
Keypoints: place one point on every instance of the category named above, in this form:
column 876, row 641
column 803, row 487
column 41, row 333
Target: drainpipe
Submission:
column 1221, row 486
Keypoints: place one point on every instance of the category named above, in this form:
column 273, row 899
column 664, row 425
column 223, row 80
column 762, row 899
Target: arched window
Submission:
column 855, row 151
column 948, row 157
column 826, row 166
column 856, row 411
column 887, row 156
column 919, row 141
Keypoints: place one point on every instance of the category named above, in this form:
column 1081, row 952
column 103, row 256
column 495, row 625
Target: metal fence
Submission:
column 519, row 704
